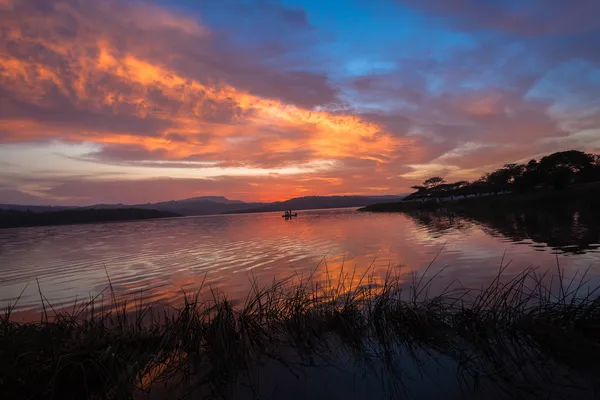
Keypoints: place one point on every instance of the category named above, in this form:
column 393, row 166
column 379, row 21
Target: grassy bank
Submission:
column 532, row 335
column 583, row 194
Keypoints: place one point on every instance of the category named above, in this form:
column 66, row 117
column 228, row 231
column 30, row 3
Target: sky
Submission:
column 122, row 101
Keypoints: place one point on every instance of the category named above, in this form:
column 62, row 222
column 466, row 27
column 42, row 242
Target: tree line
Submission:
column 557, row 170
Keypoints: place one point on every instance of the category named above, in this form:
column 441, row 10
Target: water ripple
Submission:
column 157, row 259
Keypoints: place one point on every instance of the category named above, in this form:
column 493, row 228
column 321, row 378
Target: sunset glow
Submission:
column 127, row 101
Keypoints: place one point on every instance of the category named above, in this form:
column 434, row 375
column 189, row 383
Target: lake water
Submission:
column 158, row 259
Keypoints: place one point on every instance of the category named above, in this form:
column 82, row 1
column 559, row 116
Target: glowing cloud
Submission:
column 121, row 91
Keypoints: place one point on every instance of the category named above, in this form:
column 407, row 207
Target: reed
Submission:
column 525, row 335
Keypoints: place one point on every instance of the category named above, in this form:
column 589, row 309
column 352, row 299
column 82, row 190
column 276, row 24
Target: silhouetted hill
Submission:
column 14, row 219
column 199, row 206
column 319, row 202
column 205, row 205
column 214, row 199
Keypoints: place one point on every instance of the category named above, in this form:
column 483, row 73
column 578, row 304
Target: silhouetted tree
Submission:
column 556, row 170
column 454, row 189
column 429, row 189
column 421, row 193
column 503, row 179
column 479, row 187
column 434, row 183
column 561, row 169
column 530, row 178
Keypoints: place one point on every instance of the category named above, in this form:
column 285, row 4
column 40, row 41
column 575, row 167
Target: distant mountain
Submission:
column 14, row 218
column 199, row 206
column 209, row 205
column 317, row 202
column 205, row 205
column 214, row 199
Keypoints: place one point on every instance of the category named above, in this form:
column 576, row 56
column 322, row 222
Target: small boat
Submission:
column 288, row 214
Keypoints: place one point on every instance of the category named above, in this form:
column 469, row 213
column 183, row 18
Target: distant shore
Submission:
column 23, row 219
column 588, row 194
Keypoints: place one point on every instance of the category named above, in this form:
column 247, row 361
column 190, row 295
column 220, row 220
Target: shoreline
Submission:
column 585, row 194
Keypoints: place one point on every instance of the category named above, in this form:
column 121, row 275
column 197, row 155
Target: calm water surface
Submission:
column 160, row 258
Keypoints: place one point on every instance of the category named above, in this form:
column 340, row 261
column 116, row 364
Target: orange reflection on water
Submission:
column 157, row 261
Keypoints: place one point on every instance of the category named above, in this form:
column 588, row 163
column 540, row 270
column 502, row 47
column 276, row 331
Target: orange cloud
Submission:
column 161, row 96
column 89, row 71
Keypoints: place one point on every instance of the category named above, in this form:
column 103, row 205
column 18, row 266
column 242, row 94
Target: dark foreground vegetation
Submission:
column 14, row 219
column 555, row 177
column 532, row 336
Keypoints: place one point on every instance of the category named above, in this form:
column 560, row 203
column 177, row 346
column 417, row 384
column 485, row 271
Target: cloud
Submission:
column 241, row 99
column 58, row 115
column 445, row 120
column 115, row 81
column 117, row 152
column 498, row 91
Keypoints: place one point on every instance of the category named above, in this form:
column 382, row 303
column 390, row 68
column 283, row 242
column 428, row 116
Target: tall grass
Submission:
column 522, row 335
